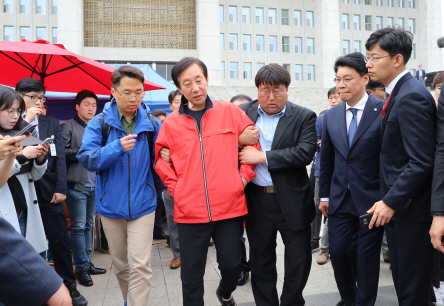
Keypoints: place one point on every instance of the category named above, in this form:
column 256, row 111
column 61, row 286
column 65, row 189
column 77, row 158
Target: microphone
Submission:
column 440, row 42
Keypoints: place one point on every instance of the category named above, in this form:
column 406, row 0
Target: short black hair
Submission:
column 273, row 74
column 85, row 94
column 7, row 98
column 126, row 71
column 172, row 94
column 184, row 64
column 241, row 97
column 394, row 40
column 353, row 60
column 29, row 84
column 332, row 91
column 372, row 85
column 158, row 112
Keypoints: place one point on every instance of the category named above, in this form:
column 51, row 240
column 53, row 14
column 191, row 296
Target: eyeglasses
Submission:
column 35, row 98
column 12, row 112
column 346, row 80
column 127, row 97
column 373, row 59
column 277, row 92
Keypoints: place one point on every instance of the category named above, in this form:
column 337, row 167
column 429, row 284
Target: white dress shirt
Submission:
column 392, row 84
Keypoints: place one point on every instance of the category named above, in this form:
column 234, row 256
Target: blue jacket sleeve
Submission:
column 92, row 155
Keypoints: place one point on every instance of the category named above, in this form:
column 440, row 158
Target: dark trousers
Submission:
column 264, row 220
column 411, row 259
column 193, row 241
column 355, row 255
column 56, row 229
column 159, row 213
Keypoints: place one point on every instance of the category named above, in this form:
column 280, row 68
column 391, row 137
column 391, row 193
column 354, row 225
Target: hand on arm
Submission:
column 165, row 154
column 252, row 156
column 249, row 136
column 382, row 214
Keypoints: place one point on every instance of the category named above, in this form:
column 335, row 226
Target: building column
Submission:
column 328, row 24
column 70, row 25
column 429, row 29
column 208, row 39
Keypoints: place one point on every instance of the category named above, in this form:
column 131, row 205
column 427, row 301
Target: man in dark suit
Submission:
column 52, row 187
column 280, row 197
column 421, row 75
column 349, row 182
column 406, row 163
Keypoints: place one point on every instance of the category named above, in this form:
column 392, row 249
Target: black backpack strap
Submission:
column 106, row 129
column 150, row 137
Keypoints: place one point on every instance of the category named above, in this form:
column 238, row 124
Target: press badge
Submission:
column 53, row 149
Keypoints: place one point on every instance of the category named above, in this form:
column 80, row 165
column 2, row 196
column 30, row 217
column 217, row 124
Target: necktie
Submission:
column 34, row 131
column 353, row 126
column 386, row 102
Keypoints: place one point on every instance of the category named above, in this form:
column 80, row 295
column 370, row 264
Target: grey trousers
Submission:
column 316, row 224
column 421, row 80
column 324, row 236
column 172, row 226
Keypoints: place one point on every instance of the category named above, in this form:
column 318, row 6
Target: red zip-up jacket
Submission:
column 204, row 177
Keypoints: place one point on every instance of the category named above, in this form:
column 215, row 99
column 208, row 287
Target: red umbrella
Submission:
column 59, row 69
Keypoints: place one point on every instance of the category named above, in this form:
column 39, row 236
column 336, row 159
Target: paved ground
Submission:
column 166, row 289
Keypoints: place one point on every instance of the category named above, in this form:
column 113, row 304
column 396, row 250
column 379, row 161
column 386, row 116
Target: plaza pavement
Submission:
column 166, row 288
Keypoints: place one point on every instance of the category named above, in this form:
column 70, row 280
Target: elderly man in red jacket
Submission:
column 204, row 179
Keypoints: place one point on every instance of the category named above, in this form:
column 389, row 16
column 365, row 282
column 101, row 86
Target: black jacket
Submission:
column 72, row 131
column 293, row 147
column 438, row 171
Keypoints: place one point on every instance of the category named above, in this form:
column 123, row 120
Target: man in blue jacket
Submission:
column 125, row 193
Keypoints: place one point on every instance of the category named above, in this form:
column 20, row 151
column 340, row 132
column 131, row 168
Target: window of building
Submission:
column 310, row 45
column 24, row 7
column 286, row 44
column 310, row 18
column 164, row 69
column 246, row 14
column 297, row 18
column 233, row 42
column 260, row 43
column 412, row 27
column 378, row 2
column 259, row 66
column 298, row 72
column 8, row 33
column 357, row 46
column 222, row 70
column 401, row 22
column 232, row 13
column 41, row 7
column 285, row 17
column 298, row 44
column 311, row 73
column 41, row 33
column 368, row 2
column 259, row 15
column 390, row 21
column 25, row 33
column 8, row 6
column 272, row 16
column 344, row 1
column 413, row 51
column 390, row 3
column 368, row 23
column 401, row 3
column 412, row 4
column 234, row 70
column 287, row 67
column 221, row 14
column 246, row 42
column 55, row 34
column 357, row 1
column 222, row 41
column 247, row 71
column 345, row 24
column 345, row 47
column 55, row 4
column 413, row 72
column 272, row 41
column 357, row 22
column 378, row 22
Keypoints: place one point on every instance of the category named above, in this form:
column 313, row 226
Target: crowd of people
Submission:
column 219, row 169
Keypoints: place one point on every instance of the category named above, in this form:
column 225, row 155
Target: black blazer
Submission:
column 355, row 167
column 438, row 171
column 293, row 147
column 54, row 179
column 408, row 151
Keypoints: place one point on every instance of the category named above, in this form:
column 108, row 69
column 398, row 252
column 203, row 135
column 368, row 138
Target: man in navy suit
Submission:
column 52, row 187
column 349, row 182
column 406, row 164
column 421, row 75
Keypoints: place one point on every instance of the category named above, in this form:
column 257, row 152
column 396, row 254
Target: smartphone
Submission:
column 27, row 128
column 48, row 140
column 364, row 220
